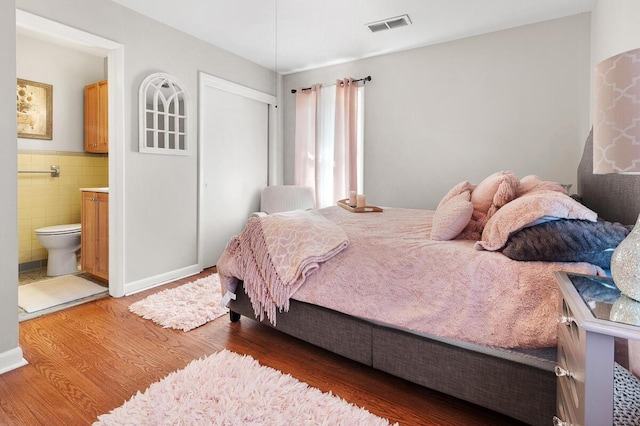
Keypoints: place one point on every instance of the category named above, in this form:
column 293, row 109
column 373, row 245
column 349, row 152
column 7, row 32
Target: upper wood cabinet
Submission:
column 96, row 117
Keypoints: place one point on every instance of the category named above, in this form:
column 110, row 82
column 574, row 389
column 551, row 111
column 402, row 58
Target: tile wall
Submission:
column 46, row 201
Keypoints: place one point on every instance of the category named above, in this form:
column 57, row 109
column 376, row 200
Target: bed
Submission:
column 468, row 344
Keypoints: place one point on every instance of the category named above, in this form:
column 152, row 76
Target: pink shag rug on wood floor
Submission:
column 230, row 389
column 183, row 308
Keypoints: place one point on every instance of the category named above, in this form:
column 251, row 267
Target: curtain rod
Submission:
column 365, row 79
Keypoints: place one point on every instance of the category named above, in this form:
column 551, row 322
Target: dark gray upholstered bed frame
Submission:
column 519, row 384
column 615, row 197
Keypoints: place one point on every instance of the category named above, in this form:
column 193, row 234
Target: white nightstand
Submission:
column 588, row 323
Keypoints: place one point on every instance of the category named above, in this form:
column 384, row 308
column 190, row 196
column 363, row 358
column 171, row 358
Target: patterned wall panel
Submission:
column 616, row 127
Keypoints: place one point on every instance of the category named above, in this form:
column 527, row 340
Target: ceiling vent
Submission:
column 389, row 24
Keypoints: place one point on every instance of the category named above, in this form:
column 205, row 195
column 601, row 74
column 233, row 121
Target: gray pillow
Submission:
column 567, row 240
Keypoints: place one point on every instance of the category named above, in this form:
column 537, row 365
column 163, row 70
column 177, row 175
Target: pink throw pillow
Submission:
column 492, row 193
column 451, row 217
column 458, row 189
column 532, row 183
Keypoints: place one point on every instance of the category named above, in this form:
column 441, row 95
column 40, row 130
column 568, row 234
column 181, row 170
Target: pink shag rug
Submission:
column 183, row 308
column 230, row 389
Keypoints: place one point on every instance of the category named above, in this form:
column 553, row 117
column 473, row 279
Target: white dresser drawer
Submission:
column 570, row 374
column 586, row 349
column 565, row 415
column 566, row 321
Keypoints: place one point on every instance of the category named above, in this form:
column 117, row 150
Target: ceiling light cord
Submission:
column 276, row 51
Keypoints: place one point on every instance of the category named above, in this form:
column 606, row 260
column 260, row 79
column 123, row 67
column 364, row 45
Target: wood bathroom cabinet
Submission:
column 96, row 117
column 95, row 234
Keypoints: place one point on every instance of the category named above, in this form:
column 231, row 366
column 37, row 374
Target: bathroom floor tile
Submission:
column 32, row 276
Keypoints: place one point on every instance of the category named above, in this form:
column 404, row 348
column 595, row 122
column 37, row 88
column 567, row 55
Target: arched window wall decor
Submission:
column 163, row 116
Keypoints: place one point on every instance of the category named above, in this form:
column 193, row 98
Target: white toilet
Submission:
column 62, row 242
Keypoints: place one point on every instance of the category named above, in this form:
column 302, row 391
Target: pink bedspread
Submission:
column 393, row 273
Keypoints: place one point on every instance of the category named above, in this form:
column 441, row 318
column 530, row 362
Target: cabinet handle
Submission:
column 562, row 372
column 563, row 319
column 558, row 422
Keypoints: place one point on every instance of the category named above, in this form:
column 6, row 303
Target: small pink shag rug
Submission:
column 183, row 308
column 231, row 389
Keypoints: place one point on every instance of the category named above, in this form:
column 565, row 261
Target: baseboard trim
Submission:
column 158, row 280
column 11, row 359
column 30, row 266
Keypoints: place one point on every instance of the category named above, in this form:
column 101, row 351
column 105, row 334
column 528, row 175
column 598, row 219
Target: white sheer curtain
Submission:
column 305, row 138
column 329, row 140
column 325, row 149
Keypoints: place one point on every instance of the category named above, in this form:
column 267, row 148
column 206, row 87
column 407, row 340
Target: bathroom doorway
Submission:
column 71, row 287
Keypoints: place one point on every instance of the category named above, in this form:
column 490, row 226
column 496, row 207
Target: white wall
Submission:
column 10, row 353
column 68, row 71
column 511, row 100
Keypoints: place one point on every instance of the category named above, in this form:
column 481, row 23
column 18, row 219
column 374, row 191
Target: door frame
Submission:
column 114, row 52
column 207, row 80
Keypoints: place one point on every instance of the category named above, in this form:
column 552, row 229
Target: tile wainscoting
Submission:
column 44, row 200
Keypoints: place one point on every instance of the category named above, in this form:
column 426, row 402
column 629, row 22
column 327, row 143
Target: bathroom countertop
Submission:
column 95, row 190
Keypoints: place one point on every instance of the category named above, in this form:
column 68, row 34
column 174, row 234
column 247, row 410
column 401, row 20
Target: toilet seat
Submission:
column 59, row 229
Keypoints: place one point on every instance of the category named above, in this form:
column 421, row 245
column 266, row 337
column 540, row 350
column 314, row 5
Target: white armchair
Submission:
column 282, row 198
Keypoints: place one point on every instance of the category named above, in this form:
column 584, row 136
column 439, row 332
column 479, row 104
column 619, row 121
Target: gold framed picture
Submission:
column 34, row 108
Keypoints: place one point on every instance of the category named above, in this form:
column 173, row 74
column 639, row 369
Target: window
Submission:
column 324, row 159
column 163, row 116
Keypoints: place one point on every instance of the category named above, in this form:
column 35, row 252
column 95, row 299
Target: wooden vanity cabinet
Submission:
column 96, row 117
column 95, row 234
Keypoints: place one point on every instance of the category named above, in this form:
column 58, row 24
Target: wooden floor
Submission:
column 90, row 359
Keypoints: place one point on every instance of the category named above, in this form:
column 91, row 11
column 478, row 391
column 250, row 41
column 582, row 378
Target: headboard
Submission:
column 614, row 197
